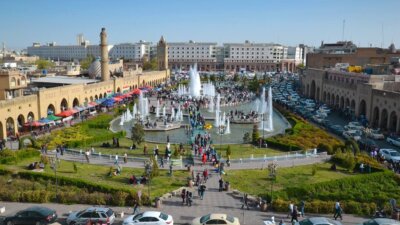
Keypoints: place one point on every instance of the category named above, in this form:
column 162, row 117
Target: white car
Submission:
column 390, row 155
column 217, row 219
column 354, row 126
column 393, row 140
column 375, row 134
column 149, row 218
column 352, row 134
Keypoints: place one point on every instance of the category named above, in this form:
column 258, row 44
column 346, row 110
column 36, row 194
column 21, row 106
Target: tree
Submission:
column 246, row 137
column 44, row 64
column 352, row 146
column 150, row 65
column 154, row 171
column 212, row 78
column 137, row 134
column 254, row 85
column 236, row 77
column 256, row 134
column 85, row 63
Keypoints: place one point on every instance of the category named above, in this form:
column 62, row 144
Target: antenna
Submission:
column 344, row 24
column 383, row 37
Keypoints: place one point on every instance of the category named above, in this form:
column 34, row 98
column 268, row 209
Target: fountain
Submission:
column 158, row 109
column 122, row 120
column 211, row 104
column 228, row 126
column 266, row 111
column 195, row 83
column 135, row 111
column 172, row 113
column 164, row 113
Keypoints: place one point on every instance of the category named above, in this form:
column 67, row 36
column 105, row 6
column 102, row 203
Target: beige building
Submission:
column 375, row 96
column 20, row 109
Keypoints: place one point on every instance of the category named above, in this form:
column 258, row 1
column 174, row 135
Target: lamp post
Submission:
column 148, row 170
column 272, row 167
column 54, row 165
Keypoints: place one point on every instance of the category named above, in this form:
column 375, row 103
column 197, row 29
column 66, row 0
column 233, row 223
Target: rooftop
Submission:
column 63, row 80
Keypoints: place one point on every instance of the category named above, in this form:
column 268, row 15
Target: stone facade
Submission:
column 374, row 96
column 15, row 112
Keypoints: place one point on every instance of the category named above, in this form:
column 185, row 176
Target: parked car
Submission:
column 149, row 217
column 352, row 134
column 337, row 129
column 393, row 140
column 318, row 221
column 381, row 221
column 216, row 218
column 94, row 214
column 390, row 155
column 33, row 215
column 354, row 126
column 375, row 134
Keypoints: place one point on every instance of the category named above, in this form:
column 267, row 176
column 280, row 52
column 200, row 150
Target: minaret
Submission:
column 162, row 54
column 105, row 73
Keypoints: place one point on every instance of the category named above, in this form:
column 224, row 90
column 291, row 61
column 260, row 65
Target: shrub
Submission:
column 255, row 135
column 325, row 148
column 314, row 170
column 119, row 198
column 75, row 167
column 228, row 151
column 11, row 156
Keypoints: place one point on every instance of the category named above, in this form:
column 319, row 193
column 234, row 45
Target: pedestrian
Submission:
column 302, row 205
column 183, row 196
column 87, row 153
column 205, row 175
column 290, row 209
column 295, row 214
column 221, row 184
column 245, row 201
column 202, row 190
column 145, row 149
column 161, row 162
column 338, row 211
column 189, row 197
column 362, row 168
column 125, row 158
column 136, row 207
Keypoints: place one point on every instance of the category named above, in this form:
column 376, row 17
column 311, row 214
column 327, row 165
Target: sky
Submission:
column 287, row 22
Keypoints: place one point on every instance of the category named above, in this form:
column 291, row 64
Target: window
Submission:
column 86, row 215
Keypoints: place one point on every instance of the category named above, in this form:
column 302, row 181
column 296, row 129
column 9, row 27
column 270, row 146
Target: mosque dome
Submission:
column 95, row 69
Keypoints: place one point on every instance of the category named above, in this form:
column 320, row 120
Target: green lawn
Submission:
column 237, row 151
column 99, row 174
column 257, row 182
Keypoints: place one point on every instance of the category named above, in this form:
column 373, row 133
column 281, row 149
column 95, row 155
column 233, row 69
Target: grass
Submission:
column 257, row 182
column 237, row 151
column 99, row 174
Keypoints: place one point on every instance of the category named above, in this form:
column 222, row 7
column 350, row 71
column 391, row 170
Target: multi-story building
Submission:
column 65, row 52
column 182, row 55
column 257, row 57
column 328, row 55
column 12, row 83
column 131, row 51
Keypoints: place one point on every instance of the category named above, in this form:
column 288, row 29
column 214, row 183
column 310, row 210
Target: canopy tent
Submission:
column 108, row 102
column 79, row 108
column 52, row 117
column 117, row 99
column 135, row 91
column 92, row 104
column 45, row 121
column 33, row 124
column 67, row 113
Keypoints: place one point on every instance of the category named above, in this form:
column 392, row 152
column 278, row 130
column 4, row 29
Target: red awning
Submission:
column 117, row 99
column 33, row 124
column 136, row 91
column 67, row 113
column 93, row 103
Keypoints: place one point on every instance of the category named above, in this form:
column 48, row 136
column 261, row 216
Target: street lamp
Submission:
column 148, row 169
column 54, row 165
column 272, row 167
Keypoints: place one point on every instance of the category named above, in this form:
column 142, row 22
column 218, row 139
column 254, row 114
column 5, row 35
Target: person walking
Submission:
column 245, row 201
column 338, row 211
column 205, row 175
column 183, row 196
column 302, row 205
column 202, row 190
column 136, row 207
column 290, row 209
column 125, row 158
column 87, row 153
column 294, row 214
column 221, row 184
column 189, row 197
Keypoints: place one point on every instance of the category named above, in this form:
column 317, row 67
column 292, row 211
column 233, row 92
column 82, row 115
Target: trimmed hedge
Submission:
column 13, row 157
column 105, row 194
column 282, row 146
column 359, row 193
